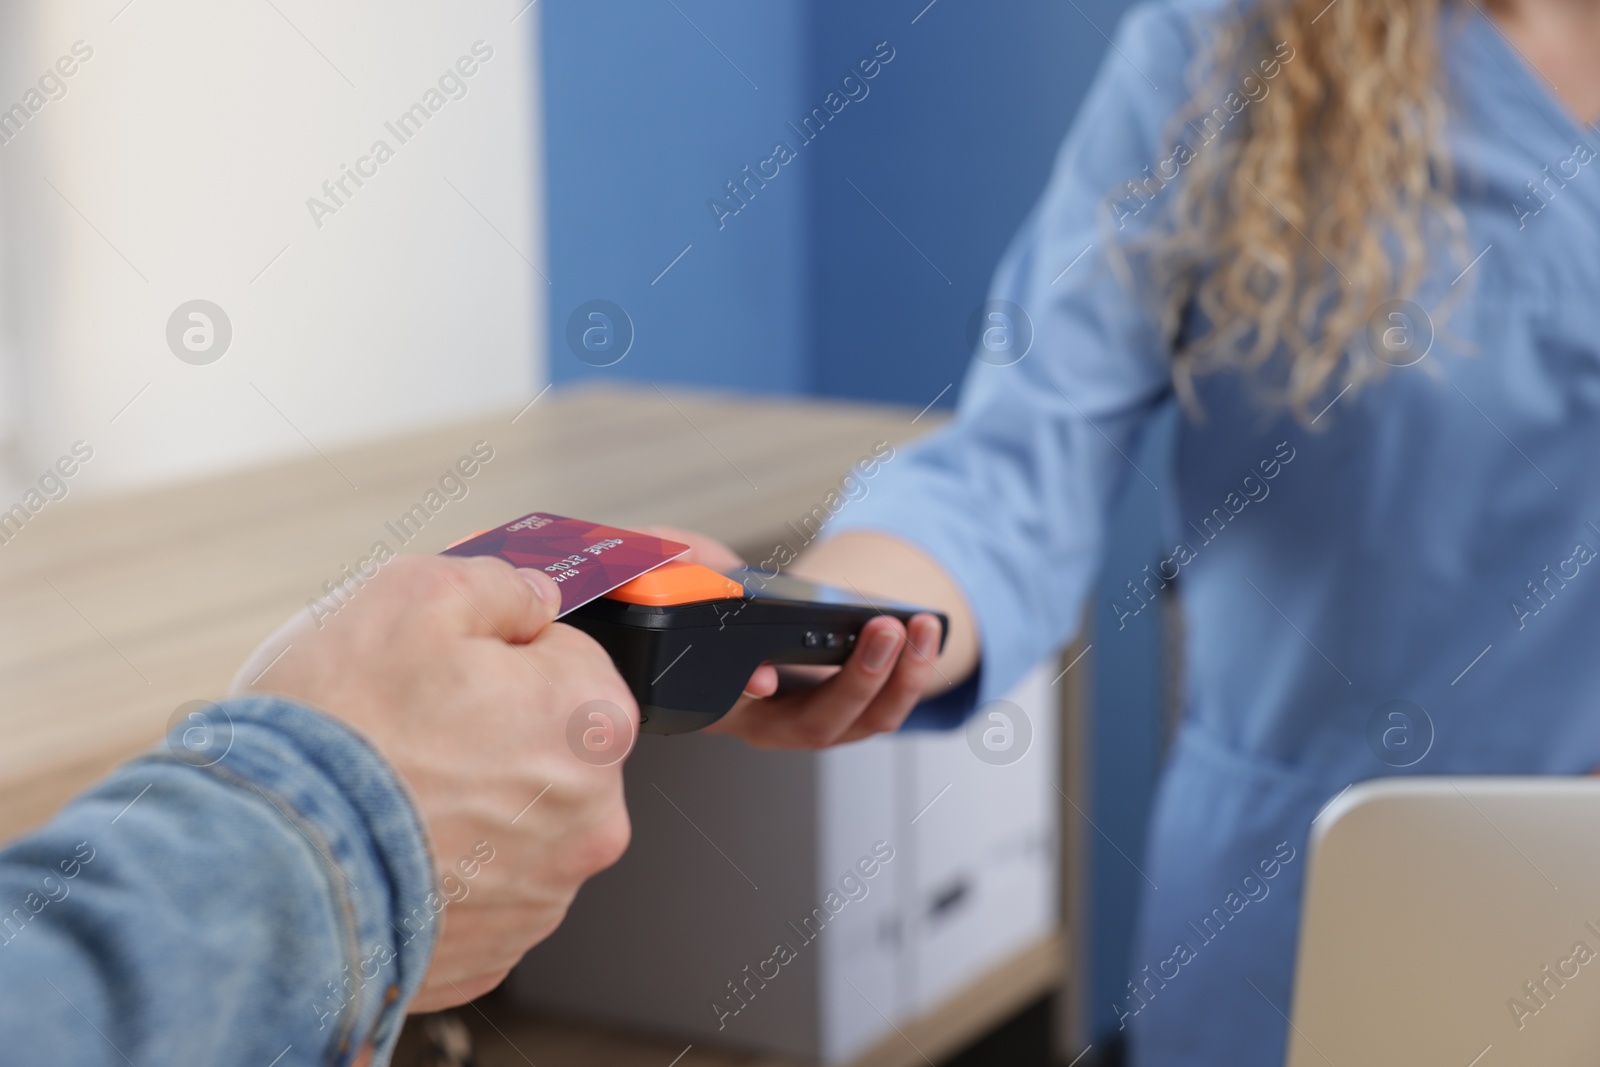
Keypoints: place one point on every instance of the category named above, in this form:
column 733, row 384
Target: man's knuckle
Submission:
column 603, row 845
column 616, row 838
column 433, row 583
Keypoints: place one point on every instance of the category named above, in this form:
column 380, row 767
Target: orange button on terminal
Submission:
column 676, row 583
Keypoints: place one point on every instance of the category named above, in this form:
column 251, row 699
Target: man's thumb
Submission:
column 545, row 590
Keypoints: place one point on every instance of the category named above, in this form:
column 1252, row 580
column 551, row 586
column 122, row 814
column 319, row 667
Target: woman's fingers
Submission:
column 873, row 692
column 830, row 709
column 827, row 700
column 905, row 686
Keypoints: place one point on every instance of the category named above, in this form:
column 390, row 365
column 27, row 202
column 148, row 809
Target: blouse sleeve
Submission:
column 1012, row 497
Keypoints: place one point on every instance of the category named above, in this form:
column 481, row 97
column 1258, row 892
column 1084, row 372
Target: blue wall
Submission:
column 810, row 288
column 645, row 120
column 807, row 289
column 954, row 146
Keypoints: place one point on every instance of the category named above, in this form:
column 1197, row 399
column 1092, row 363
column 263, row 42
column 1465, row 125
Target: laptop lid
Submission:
column 1452, row 921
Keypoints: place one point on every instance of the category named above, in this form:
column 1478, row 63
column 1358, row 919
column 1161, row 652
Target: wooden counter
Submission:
column 117, row 611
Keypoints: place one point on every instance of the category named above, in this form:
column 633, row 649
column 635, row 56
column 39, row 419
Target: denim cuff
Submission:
column 342, row 796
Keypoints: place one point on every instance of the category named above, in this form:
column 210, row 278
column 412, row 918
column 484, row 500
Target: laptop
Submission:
column 1452, row 921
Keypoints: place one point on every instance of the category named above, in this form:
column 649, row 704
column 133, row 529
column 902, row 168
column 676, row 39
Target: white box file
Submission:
column 735, row 849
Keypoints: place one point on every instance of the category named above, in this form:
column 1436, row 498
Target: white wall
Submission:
column 179, row 163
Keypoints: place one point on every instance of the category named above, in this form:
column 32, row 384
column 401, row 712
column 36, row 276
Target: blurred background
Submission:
column 274, row 263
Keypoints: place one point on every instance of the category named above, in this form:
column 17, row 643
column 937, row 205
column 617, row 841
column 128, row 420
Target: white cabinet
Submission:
column 796, row 903
column 982, row 870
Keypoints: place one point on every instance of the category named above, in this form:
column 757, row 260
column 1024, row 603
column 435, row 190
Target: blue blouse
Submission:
column 1407, row 586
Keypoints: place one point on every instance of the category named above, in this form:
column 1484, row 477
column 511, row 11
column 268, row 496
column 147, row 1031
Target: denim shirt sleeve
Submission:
column 265, row 897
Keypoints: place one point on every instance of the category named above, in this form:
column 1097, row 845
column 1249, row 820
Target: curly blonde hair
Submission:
column 1323, row 200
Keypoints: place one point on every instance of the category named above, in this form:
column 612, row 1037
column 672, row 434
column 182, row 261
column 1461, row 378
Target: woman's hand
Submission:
column 815, row 707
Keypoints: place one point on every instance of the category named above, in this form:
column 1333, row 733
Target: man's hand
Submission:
column 455, row 671
column 891, row 669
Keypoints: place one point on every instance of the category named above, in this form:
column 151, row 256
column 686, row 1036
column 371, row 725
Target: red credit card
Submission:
column 586, row 559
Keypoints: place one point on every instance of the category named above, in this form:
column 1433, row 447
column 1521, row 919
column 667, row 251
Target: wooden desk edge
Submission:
column 963, row 1017
column 974, row 1009
column 28, row 797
